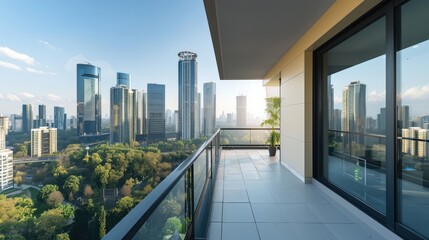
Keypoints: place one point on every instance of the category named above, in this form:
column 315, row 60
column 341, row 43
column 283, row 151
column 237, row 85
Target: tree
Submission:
column 49, row 224
column 18, row 178
column 102, row 222
column 55, row 199
column 87, row 191
column 67, row 210
column 126, row 191
column 171, row 226
column 46, row 190
column 72, row 185
column 62, row 236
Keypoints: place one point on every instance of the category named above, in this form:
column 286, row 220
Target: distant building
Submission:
column 209, row 122
column 42, row 116
column 381, row 119
column 241, row 105
column 16, row 123
column 43, row 141
column 88, row 99
column 140, row 112
column 337, row 119
column 354, row 110
column 123, row 79
column 59, row 118
column 403, row 116
column 4, row 126
column 144, row 106
column 119, row 119
column 156, row 112
column 229, row 120
column 27, row 117
column 188, row 96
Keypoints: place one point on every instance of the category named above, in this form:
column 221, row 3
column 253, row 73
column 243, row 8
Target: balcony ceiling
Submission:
column 249, row 37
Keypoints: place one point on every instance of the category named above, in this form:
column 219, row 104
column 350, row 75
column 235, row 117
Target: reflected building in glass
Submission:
column 354, row 112
column 88, row 99
column 188, row 96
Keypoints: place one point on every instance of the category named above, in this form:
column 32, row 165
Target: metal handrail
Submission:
column 133, row 221
column 138, row 216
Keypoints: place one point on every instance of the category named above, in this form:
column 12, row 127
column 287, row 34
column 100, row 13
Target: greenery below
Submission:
column 84, row 196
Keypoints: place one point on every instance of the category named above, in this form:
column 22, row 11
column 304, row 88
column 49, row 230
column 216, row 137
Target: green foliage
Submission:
column 67, row 210
column 15, row 209
column 102, row 222
column 50, row 223
column 273, row 120
column 171, row 226
column 46, row 190
column 72, row 184
column 62, row 236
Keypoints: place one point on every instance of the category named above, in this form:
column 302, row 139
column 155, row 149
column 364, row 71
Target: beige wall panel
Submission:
column 294, row 68
column 293, row 124
column 294, row 91
column 293, row 156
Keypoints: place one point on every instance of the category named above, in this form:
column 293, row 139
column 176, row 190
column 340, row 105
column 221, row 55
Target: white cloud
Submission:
column 32, row 70
column 48, row 45
column 9, row 65
column 416, row 93
column 17, row 56
column 27, row 95
column 338, row 100
column 13, row 98
column 1, row 96
column 375, row 96
column 54, row 97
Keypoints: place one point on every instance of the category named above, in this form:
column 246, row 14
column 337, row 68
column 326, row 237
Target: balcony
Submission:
column 236, row 191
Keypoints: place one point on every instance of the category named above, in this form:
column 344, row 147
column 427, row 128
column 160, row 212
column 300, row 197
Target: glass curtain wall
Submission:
column 372, row 146
column 413, row 116
column 355, row 75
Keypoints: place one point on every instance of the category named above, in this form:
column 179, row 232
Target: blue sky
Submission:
column 42, row 41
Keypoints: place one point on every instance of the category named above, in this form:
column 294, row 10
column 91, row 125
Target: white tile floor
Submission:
column 255, row 197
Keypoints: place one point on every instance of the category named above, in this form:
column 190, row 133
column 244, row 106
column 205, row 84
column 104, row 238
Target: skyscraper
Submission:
column 88, row 99
column 6, row 157
column 403, row 116
column 43, row 141
column 355, row 109
column 27, row 117
column 156, row 112
column 118, row 114
column 123, row 79
column 144, row 106
column 188, row 97
column 139, row 110
column 42, row 115
column 209, row 122
column 59, row 118
column 241, row 111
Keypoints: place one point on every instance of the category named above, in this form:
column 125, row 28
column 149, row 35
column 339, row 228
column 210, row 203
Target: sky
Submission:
column 42, row 41
column 412, row 81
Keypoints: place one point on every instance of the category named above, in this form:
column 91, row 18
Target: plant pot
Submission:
column 272, row 151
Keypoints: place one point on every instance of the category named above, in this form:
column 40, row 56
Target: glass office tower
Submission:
column 27, row 117
column 123, row 79
column 188, row 96
column 156, row 112
column 88, row 99
column 59, row 118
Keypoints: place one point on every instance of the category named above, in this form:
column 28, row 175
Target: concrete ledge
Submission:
column 369, row 221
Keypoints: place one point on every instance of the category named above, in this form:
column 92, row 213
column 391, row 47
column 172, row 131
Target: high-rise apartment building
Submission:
column 188, row 96
column 42, row 116
column 6, row 157
column 209, row 122
column 59, row 118
column 43, row 141
column 4, row 126
column 241, row 102
column 88, row 99
column 156, row 112
column 337, row 119
column 27, row 117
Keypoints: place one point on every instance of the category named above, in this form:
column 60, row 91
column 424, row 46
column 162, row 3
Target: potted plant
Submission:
column 273, row 121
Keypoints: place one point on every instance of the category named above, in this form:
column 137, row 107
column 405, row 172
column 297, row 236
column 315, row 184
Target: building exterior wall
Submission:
column 296, row 73
column 43, row 141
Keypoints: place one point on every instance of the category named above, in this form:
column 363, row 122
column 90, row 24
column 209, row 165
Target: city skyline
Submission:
column 31, row 57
